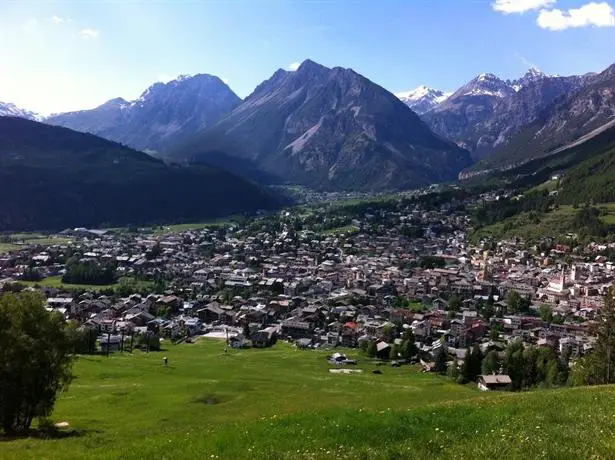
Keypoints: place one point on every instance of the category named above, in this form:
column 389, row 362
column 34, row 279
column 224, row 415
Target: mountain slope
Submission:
column 539, row 170
column 470, row 106
column 163, row 115
column 588, row 105
column 330, row 129
column 52, row 178
column 531, row 76
column 11, row 110
column 484, row 119
column 423, row 99
column 593, row 180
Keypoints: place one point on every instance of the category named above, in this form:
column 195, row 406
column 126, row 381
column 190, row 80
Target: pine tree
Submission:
column 440, row 360
column 394, row 353
column 476, row 359
column 471, row 366
column 408, row 348
column 372, row 349
column 514, row 364
column 491, row 363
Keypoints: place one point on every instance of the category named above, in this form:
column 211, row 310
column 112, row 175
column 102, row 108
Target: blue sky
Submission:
column 68, row 55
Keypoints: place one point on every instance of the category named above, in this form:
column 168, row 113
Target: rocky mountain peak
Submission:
column 423, row 99
column 532, row 75
column 161, row 116
column 117, row 102
column 331, row 129
column 485, row 84
column 311, row 66
column 8, row 109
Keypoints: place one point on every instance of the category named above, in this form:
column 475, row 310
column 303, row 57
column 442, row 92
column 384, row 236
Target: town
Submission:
column 367, row 274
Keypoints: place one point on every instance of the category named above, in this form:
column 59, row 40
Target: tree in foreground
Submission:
column 440, row 360
column 35, row 360
column 514, row 364
column 491, row 363
column 372, row 349
column 598, row 367
column 471, row 367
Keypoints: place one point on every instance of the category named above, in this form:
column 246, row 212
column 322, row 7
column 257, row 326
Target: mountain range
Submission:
column 165, row 113
column 580, row 107
column 330, row 129
column 333, row 129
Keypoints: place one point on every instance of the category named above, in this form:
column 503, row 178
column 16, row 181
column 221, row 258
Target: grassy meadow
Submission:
column 56, row 282
column 178, row 228
column 282, row 403
column 21, row 240
column 533, row 226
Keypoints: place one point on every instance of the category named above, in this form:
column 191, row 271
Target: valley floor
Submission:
column 283, row 403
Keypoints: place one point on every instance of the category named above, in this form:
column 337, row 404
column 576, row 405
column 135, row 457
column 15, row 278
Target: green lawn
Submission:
column 608, row 210
column 56, row 282
column 178, row 228
column 531, row 226
column 549, row 185
column 534, row 226
column 30, row 239
column 8, row 247
column 283, row 403
column 341, row 230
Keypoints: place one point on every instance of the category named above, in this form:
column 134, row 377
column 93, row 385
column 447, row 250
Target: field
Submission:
column 608, row 212
column 341, row 230
column 533, row 226
column 178, row 228
column 549, row 185
column 27, row 239
column 283, row 403
column 56, row 282
column 8, row 247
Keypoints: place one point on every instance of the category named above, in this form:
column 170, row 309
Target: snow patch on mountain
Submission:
column 532, row 75
column 11, row 110
column 423, row 98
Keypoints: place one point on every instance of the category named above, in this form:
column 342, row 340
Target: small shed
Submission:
column 493, row 382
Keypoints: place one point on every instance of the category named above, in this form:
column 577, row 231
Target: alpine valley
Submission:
column 327, row 129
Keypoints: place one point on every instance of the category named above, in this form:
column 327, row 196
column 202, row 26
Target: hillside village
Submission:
column 383, row 272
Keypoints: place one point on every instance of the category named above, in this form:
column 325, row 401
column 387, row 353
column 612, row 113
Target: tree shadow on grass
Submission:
column 47, row 434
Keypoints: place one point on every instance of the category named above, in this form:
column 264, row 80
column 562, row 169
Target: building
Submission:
column 493, row 382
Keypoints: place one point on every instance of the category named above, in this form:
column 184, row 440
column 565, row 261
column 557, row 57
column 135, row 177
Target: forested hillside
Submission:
column 53, row 178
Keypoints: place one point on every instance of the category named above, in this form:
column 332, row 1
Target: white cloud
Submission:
column 294, row 66
column 90, row 33
column 57, row 19
column 592, row 14
column 520, row 6
column 525, row 62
